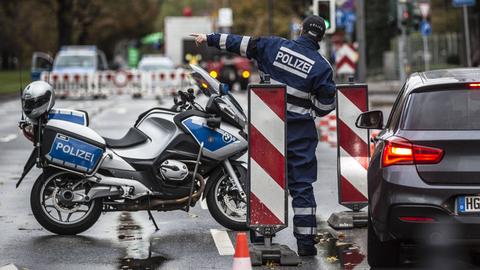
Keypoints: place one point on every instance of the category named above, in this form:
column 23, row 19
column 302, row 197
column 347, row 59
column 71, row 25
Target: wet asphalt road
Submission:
column 128, row 240
column 123, row 240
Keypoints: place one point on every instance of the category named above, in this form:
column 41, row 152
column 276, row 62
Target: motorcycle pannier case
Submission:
column 74, row 116
column 72, row 146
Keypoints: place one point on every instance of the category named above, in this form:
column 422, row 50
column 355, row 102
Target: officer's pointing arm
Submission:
column 324, row 94
column 243, row 45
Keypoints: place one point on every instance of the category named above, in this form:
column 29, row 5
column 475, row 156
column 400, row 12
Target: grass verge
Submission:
column 10, row 81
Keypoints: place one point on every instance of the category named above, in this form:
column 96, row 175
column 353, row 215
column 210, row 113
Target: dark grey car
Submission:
column 424, row 175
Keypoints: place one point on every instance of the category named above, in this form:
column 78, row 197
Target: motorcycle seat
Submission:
column 132, row 138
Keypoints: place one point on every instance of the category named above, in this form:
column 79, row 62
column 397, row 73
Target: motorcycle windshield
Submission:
column 205, row 82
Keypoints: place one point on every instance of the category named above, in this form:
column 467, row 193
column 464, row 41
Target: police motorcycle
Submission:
column 160, row 164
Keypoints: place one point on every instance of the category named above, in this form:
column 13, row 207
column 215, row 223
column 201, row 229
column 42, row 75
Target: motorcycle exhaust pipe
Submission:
column 139, row 189
column 195, row 196
column 102, row 191
column 153, row 203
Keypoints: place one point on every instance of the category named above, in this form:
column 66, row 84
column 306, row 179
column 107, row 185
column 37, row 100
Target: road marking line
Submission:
column 121, row 110
column 222, row 242
column 8, row 267
column 203, row 204
column 8, row 138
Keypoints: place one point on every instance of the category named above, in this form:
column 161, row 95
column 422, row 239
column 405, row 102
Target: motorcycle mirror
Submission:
column 191, row 95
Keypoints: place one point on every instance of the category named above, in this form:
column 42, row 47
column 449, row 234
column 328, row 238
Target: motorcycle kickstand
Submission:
column 151, row 216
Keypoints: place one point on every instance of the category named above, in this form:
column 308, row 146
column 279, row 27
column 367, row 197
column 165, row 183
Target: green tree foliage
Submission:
column 251, row 17
column 445, row 18
column 45, row 25
column 175, row 8
column 23, row 30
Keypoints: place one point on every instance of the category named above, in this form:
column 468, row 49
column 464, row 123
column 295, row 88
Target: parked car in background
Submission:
column 41, row 62
column 79, row 59
column 165, row 76
column 70, row 59
column 71, row 62
column 424, row 175
column 231, row 70
column 155, row 63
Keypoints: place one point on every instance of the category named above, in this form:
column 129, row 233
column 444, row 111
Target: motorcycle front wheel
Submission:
column 52, row 206
column 224, row 201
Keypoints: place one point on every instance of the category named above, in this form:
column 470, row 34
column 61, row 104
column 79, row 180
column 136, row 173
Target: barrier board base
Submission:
column 348, row 220
column 281, row 254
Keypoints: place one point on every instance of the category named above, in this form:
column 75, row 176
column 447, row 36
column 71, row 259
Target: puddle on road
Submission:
column 138, row 253
column 347, row 254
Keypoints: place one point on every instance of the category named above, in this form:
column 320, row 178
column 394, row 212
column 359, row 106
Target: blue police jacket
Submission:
column 296, row 63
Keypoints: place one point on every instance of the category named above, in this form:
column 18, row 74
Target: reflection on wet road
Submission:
column 129, row 241
column 137, row 244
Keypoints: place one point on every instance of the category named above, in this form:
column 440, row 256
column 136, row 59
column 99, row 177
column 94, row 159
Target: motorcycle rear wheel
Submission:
column 43, row 191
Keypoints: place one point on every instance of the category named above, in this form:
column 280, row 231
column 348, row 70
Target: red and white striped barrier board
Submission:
column 353, row 146
column 346, row 58
column 327, row 127
column 267, row 186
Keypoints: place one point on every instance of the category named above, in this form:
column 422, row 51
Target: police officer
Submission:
column 310, row 92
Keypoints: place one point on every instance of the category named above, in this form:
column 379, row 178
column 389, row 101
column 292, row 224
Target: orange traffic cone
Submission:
column 241, row 259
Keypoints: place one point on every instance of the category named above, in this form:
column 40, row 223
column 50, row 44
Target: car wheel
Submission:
column 381, row 254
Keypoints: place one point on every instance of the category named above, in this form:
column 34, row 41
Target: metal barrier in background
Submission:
column 104, row 83
column 267, row 208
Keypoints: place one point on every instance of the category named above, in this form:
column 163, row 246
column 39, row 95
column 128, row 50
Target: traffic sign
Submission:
column 350, row 21
column 225, row 17
column 425, row 28
column 461, row 3
column 346, row 58
column 424, row 9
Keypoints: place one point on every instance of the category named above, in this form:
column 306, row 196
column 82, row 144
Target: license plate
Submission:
column 468, row 204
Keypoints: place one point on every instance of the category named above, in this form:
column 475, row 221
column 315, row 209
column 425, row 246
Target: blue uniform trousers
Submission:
column 302, row 142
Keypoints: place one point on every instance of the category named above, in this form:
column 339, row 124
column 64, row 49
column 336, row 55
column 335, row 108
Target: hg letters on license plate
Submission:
column 468, row 204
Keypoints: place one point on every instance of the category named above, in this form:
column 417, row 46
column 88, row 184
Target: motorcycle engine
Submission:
column 173, row 170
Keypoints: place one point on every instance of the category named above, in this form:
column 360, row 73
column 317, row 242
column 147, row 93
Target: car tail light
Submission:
column 474, row 85
column 400, row 151
column 417, row 219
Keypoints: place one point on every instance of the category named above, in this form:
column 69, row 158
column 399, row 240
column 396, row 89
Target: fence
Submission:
column 105, row 83
column 446, row 50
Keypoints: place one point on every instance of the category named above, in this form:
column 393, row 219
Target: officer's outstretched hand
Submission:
column 199, row 38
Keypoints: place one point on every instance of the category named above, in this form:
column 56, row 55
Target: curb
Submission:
column 7, row 97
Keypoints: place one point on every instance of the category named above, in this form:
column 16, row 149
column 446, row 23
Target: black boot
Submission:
column 307, row 250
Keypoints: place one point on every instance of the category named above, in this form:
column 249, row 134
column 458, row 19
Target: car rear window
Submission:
column 443, row 110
